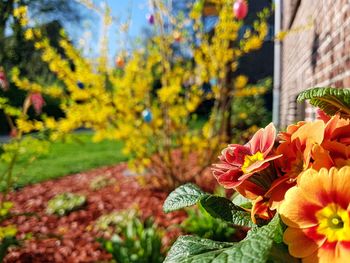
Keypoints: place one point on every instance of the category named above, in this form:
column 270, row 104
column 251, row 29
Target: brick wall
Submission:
column 316, row 52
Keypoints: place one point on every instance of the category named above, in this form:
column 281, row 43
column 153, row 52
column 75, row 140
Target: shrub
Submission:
column 149, row 100
column 202, row 224
column 5, row 243
column 100, row 182
column 7, row 233
column 134, row 240
column 112, row 222
column 65, row 203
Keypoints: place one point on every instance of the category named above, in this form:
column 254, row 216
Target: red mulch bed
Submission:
column 69, row 238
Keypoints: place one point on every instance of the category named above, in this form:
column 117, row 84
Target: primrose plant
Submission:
column 296, row 183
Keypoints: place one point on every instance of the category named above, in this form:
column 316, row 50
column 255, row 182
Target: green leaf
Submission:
column 223, row 208
column 183, row 196
column 241, row 201
column 330, row 100
column 256, row 247
column 5, row 244
column 187, row 247
column 279, row 254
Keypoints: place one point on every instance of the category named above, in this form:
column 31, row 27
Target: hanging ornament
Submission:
column 150, row 19
column 13, row 133
column 3, row 80
column 147, row 115
column 240, row 9
column 213, row 82
column 80, row 85
column 177, row 36
column 119, row 62
column 37, row 101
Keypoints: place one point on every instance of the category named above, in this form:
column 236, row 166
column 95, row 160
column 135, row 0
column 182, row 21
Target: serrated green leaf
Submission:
column 279, row 254
column 223, row 208
column 330, row 100
column 255, row 248
column 241, row 201
column 188, row 246
column 183, row 196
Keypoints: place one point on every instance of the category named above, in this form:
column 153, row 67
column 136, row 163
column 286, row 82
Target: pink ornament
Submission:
column 119, row 62
column 37, row 101
column 3, row 80
column 13, row 133
column 177, row 36
column 240, row 9
column 150, row 19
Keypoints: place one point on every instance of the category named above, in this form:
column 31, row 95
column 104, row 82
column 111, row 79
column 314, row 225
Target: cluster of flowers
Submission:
column 305, row 178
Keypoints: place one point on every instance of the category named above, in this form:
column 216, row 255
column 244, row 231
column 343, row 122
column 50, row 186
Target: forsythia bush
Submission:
column 295, row 187
column 150, row 98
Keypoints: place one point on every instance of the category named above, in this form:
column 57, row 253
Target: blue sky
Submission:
column 139, row 9
column 121, row 9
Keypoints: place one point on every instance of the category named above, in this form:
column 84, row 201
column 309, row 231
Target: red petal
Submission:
column 260, row 165
column 229, row 179
column 263, row 140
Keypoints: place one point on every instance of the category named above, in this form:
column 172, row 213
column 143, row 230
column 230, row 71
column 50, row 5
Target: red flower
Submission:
column 239, row 162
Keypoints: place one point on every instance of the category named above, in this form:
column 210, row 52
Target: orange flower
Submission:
column 337, row 141
column 317, row 213
column 261, row 208
column 239, row 162
column 321, row 115
column 287, row 135
column 297, row 147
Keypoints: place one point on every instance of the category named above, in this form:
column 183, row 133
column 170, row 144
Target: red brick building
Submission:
column 315, row 52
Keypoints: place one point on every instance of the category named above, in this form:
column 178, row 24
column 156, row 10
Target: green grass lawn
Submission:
column 67, row 158
column 64, row 158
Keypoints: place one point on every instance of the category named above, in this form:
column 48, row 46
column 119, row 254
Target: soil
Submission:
column 71, row 238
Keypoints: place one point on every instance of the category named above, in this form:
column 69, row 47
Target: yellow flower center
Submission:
column 334, row 223
column 250, row 159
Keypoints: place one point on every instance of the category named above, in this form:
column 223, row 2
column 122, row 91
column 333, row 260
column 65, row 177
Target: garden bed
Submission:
column 71, row 238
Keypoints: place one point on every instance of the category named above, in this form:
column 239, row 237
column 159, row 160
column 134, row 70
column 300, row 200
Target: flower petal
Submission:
column 315, row 186
column 299, row 244
column 334, row 123
column 263, row 140
column 250, row 190
column 326, row 187
column 310, row 133
column 341, row 186
column 343, row 249
column 321, row 115
column 234, row 154
column 229, row 179
column 257, row 165
column 278, row 190
column 330, row 252
column 261, row 209
column 321, row 158
column 286, row 136
column 297, row 210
